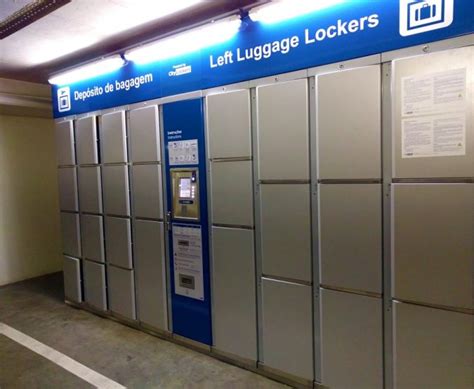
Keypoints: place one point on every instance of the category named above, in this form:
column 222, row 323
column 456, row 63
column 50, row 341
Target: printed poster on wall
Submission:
column 434, row 114
column 434, row 136
column 188, row 267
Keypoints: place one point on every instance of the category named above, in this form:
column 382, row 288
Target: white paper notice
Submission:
column 434, row 136
column 434, row 93
column 183, row 152
column 188, row 268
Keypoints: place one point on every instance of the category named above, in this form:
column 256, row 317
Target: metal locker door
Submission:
column 351, row 236
column 229, row 138
column 283, row 131
column 147, row 191
column 68, row 201
column 72, row 279
column 351, row 333
column 65, row 143
column 118, row 242
column 235, row 321
column 71, row 236
column 232, row 193
column 433, row 115
column 150, row 273
column 113, row 137
column 93, row 238
column 286, row 231
column 94, row 285
column 90, row 189
column 287, row 328
column 349, row 124
column 433, row 228
column 432, row 348
column 86, row 141
column 116, row 190
column 144, row 135
column 121, row 290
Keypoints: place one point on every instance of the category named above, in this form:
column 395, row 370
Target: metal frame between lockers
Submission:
column 384, row 60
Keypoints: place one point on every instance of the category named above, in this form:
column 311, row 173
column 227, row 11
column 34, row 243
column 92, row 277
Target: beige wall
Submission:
column 29, row 209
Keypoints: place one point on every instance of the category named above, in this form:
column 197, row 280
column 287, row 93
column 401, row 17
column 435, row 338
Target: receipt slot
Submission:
column 186, row 203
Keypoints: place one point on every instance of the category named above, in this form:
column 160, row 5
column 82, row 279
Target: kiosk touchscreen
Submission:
column 185, row 194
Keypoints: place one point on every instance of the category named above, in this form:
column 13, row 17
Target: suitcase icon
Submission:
column 427, row 11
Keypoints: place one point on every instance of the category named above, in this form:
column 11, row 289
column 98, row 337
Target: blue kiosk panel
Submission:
column 185, row 164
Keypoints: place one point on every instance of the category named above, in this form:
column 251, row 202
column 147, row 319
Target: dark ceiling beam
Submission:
column 29, row 14
column 118, row 43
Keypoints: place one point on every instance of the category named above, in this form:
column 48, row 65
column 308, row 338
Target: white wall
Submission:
column 29, row 209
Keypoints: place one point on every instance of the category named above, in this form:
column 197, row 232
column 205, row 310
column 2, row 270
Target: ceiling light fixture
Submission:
column 186, row 42
column 94, row 69
column 280, row 10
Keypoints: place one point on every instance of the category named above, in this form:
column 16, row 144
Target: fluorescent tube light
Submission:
column 91, row 70
column 186, row 42
column 279, row 10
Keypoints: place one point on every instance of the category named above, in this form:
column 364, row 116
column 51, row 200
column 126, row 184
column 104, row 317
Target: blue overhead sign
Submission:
column 351, row 29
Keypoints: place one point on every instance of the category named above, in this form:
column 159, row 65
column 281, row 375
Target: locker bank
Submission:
column 288, row 188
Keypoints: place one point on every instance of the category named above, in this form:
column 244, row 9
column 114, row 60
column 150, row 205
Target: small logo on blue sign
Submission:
column 418, row 16
column 180, row 70
column 64, row 99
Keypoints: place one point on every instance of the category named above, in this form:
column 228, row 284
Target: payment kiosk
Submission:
column 186, row 219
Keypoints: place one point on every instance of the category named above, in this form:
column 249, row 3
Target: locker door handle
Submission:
column 168, row 220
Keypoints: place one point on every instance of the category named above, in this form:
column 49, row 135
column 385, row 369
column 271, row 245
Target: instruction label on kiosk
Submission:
column 188, row 267
column 183, row 152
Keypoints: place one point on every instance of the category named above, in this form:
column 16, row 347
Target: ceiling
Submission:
column 86, row 29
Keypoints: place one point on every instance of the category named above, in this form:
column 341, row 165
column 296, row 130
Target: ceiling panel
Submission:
column 86, row 29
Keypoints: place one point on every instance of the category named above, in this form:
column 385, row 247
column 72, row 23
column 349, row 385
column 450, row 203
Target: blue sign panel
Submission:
column 185, row 164
column 348, row 30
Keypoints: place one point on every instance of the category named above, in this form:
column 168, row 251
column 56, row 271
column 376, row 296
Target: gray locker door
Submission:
column 86, row 141
column 67, row 178
column 144, row 135
column 113, row 137
column 351, row 236
column 93, row 238
column 235, row 321
column 433, row 243
column 150, row 273
column 432, row 348
column 286, row 231
column 94, row 285
column 72, row 279
column 228, row 121
column 118, row 242
column 232, row 193
column 147, row 191
column 90, row 189
column 65, row 143
column 116, row 190
column 121, row 292
column 446, row 76
column 352, row 351
column 349, row 124
column 71, row 236
column 283, row 131
column 287, row 328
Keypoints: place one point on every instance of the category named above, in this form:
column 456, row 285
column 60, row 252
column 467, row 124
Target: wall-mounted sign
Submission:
column 348, row 30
